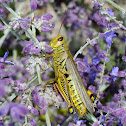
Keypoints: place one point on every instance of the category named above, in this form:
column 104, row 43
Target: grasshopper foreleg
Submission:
column 45, row 56
column 49, row 82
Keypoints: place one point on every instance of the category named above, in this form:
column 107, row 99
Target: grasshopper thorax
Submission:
column 57, row 41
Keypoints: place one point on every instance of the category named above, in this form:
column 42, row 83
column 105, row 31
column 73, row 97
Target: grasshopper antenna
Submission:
column 62, row 22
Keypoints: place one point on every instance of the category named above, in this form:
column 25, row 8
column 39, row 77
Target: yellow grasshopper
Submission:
column 69, row 82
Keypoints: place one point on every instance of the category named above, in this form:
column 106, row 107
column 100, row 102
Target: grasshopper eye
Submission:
column 60, row 39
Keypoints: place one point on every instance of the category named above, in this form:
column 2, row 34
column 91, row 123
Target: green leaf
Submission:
column 102, row 44
column 111, row 63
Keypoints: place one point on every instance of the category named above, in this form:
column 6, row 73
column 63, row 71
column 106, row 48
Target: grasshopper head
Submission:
column 57, row 41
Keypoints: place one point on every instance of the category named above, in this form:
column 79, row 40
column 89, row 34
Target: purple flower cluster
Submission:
column 102, row 19
column 41, row 102
column 35, row 4
column 16, row 111
column 29, row 48
column 3, row 60
column 77, row 18
column 20, row 23
column 3, row 1
column 43, row 23
column 116, row 108
column 108, row 36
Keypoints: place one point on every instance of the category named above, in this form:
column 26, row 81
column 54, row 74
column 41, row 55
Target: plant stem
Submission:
column 33, row 27
column 102, row 74
column 10, row 10
column 117, row 22
column 47, row 118
column 38, row 73
column 88, row 42
column 18, row 17
column 40, row 82
column 28, row 99
column 6, row 32
column 116, row 6
column 14, row 55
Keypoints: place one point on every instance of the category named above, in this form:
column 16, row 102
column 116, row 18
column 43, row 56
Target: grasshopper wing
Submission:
column 77, row 80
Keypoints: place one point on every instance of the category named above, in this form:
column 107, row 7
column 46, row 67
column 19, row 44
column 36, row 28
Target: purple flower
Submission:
column 112, row 25
column 76, row 17
column 119, row 112
column 43, row 102
column 93, row 89
column 32, row 121
column 11, row 124
column 36, row 98
column 43, row 24
column 1, row 123
column 29, row 48
column 124, row 58
column 79, row 122
column 2, row 66
column 121, row 74
column 33, row 5
column 124, row 84
column 107, row 78
column 47, row 26
column 47, row 16
column 48, row 48
column 96, row 60
column 3, row 60
column 3, row 73
column 101, row 35
column 39, row 1
column 1, row 27
column 96, row 5
column 71, row 124
column 123, row 119
column 41, row 38
column 22, row 23
column 91, row 74
column 107, row 59
column 114, row 71
column 120, row 94
column 102, row 119
column 34, row 111
column 3, row 1
column 4, row 110
column 99, row 19
column 101, row 55
column 2, row 91
column 109, row 36
column 94, row 42
column 17, row 111
column 20, row 85
column 81, row 66
column 43, row 110
column 1, row 10
column 95, row 124
column 110, row 12
column 91, row 51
